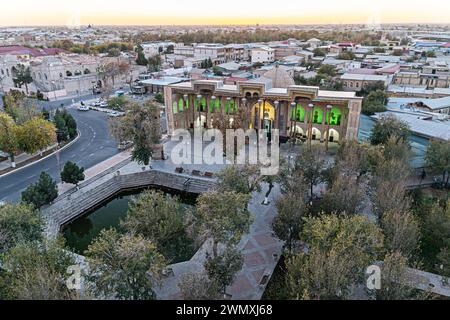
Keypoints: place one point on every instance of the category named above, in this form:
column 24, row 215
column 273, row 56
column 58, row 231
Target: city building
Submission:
column 271, row 102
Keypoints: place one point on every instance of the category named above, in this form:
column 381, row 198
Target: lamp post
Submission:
column 211, row 109
column 186, row 113
column 310, row 125
column 260, row 103
column 199, row 100
column 329, row 107
column 293, row 115
column 245, row 114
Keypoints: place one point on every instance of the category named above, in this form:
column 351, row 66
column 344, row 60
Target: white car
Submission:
column 114, row 114
column 83, row 108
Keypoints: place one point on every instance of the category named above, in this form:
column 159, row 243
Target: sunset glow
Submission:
column 144, row 12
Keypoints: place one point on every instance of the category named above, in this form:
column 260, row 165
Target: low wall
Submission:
column 73, row 205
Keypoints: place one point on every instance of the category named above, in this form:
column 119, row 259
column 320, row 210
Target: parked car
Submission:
column 114, row 114
column 83, row 108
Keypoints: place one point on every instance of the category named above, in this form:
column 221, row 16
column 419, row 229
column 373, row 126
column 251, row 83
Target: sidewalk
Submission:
column 96, row 170
column 24, row 159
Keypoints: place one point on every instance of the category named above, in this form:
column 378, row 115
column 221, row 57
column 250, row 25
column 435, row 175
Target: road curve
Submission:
column 94, row 146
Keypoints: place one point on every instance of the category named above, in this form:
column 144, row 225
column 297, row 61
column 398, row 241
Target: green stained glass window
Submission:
column 230, row 106
column 317, row 115
column 335, row 116
column 202, row 104
column 298, row 114
column 175, row 108
column 180, row 105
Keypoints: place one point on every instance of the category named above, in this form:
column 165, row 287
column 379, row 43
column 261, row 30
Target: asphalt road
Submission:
column 94, row 146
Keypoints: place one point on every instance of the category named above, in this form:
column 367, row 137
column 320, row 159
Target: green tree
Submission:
column 41, row 193
column 242, row 179
column 159, row 98
column 437, row 157
column 375, row 102
column 435, row 230
column 344, row 196
column 154, row 63
column 328, row 70
column 161, row 219
column 340, row 249
column 224, row 217
column 19, row 223
column 9, row 137
column 141, row 60
column 22, row 76
column 311, row 162
column 71, row 173
column 288, row 222
column 66, row 125
column 37, row 271
column 223, row 268
column 141, row 124
column 117, row 103
column 319, row 53
column 124, row 266
column 386, row 127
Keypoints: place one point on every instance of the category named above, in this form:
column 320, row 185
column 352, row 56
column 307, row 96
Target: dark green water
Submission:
column 80, row 233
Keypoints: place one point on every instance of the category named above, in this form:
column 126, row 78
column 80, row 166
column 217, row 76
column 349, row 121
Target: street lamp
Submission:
column 293, row 115
column 329, row 107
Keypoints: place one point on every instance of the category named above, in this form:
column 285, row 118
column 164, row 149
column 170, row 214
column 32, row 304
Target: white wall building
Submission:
column 262, row 55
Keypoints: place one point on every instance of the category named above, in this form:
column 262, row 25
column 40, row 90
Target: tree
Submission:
column 438, row 158
column 37, row 271
column 159, row 98
column 389, row 187
column 401, row 231
column 386, row 127
column 159, row 218
column 141, row 60
column 117, row 103
column 19, row 108
column 346, row 196
column 311, row 162
column 288, row 222
column 328, row 70
column 222, row 269
column 9, row 136
column 42, row 193
column 375, row 102
column 19, row 223
column 340, row 249
column 154, row 63
column 347, row 55
column 198, row 286
column 23, row 76
column 72, row 173
column 36, row 134
column 66, row 125
column 319, row 53
column 435, row 230
column 224, row 217
column 242, row 179
column 125, row 267
column 141, row 124
column 395, row 284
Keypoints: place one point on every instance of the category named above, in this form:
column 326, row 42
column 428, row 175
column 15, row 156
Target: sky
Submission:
column 188, row 12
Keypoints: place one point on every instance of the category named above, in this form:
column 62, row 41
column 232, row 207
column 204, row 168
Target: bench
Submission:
column 179, row 170
column 209, row 174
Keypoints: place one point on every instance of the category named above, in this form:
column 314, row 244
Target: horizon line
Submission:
column 222, row 25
